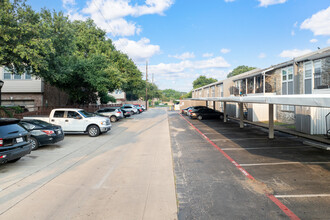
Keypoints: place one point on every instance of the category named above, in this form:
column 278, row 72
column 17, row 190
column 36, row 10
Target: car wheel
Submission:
column 13, row 161
column 113, row 118
column 199, row 117
column 93, row 131
column 35, row 143
column 221, row 117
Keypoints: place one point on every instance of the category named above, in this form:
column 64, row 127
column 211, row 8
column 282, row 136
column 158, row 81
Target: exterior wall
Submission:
column 187, row 103
column 30, row 101
column 33, row 85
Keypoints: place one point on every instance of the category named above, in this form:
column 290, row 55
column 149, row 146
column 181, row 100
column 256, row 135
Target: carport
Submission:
column 312, row 100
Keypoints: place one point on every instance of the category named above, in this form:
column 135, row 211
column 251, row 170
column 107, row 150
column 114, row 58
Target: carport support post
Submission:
column 224, row 111
column 271, row 121
column 241, row 123
column 213, row 105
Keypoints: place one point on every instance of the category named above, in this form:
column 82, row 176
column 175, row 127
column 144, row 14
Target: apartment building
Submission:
column 307, row 74
column 29, row 91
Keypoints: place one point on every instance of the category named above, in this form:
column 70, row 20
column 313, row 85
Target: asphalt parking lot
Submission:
column 224, row 172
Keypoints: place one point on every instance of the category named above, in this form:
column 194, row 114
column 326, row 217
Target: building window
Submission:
column 287, row 85
column 308, row 73
column 6, row 73
column 17, row 76
column 213, row 91
column 28, row 76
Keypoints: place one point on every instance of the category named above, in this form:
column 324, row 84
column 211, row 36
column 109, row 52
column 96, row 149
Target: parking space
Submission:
column 297, row 175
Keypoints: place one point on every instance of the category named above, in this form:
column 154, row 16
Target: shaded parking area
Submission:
column 209, row 185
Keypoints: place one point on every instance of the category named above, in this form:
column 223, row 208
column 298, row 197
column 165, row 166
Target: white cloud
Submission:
column 139, row 51
column 74, row 15
column 229, row 0
column 170, row 68
column 313, row 40
column 265, row 3
column 111, row 15
column 319, row 23
column 184, row 56
column 293, row 53
column 328, row 41
column 68, row 2
column 295, row 24
column 293, row 33
column 224, row 50
column 207, row 55
column 262, row 55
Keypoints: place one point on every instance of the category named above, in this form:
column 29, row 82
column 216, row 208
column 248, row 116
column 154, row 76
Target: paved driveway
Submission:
column 124, row 174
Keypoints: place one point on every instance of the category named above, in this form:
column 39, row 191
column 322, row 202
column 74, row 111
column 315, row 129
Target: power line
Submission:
column 106, row 21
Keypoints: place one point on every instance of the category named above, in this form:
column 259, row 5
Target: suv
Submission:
column 14, row 140
column 114, row 113
column 130, row 107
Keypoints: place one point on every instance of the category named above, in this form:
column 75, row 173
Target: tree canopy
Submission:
column 76, row 57
column 239, row 70
column 202, row 81
column 171, row 94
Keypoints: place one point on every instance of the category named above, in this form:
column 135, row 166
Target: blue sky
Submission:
column 182, row 39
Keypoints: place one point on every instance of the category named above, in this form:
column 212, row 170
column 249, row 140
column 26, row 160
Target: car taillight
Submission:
column 1, row 142
column 119, row 111
column 190, row 110
column 48, row 132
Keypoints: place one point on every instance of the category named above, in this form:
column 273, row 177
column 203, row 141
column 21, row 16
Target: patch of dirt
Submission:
column 257, row 186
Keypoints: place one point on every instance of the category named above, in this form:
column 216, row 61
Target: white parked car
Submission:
column 114, row 113
column 130, row 107
column 74, row 120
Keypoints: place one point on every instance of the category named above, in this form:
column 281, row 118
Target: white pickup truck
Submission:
column 74, row 120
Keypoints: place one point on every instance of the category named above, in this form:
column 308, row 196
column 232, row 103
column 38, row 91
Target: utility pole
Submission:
column 147, row 85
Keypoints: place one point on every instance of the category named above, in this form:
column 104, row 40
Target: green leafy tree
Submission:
column 76, row 57
column 202, row 81
column 239, row 70
column 132, row 83
column 187, row 95
column 105, row 98
column 171, row 94
column 22, row 43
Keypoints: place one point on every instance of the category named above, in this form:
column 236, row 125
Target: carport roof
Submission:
column 313, row 100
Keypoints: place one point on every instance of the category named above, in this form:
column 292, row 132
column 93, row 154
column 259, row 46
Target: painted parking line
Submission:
column 302, row 196
column 239, row 139
column 263, row 148
column 281, row 163
column 285, row 209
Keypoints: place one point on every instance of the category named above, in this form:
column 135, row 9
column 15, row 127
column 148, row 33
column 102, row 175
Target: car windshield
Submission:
column 86, row 114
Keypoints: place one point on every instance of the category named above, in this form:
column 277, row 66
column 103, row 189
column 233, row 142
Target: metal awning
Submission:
column 312, row 100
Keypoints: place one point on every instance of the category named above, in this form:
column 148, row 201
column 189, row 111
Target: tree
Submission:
column 76, row 57
column 187, row 95
column 202, row 81
column 171, row 94
column 22, row 44
column 239, row 70
column 105, row 98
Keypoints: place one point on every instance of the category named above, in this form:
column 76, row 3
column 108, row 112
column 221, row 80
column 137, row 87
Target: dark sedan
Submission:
column 205, row 113
column 42, row 133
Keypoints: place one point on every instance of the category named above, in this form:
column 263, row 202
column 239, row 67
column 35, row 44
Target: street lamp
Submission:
column 1, row 84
